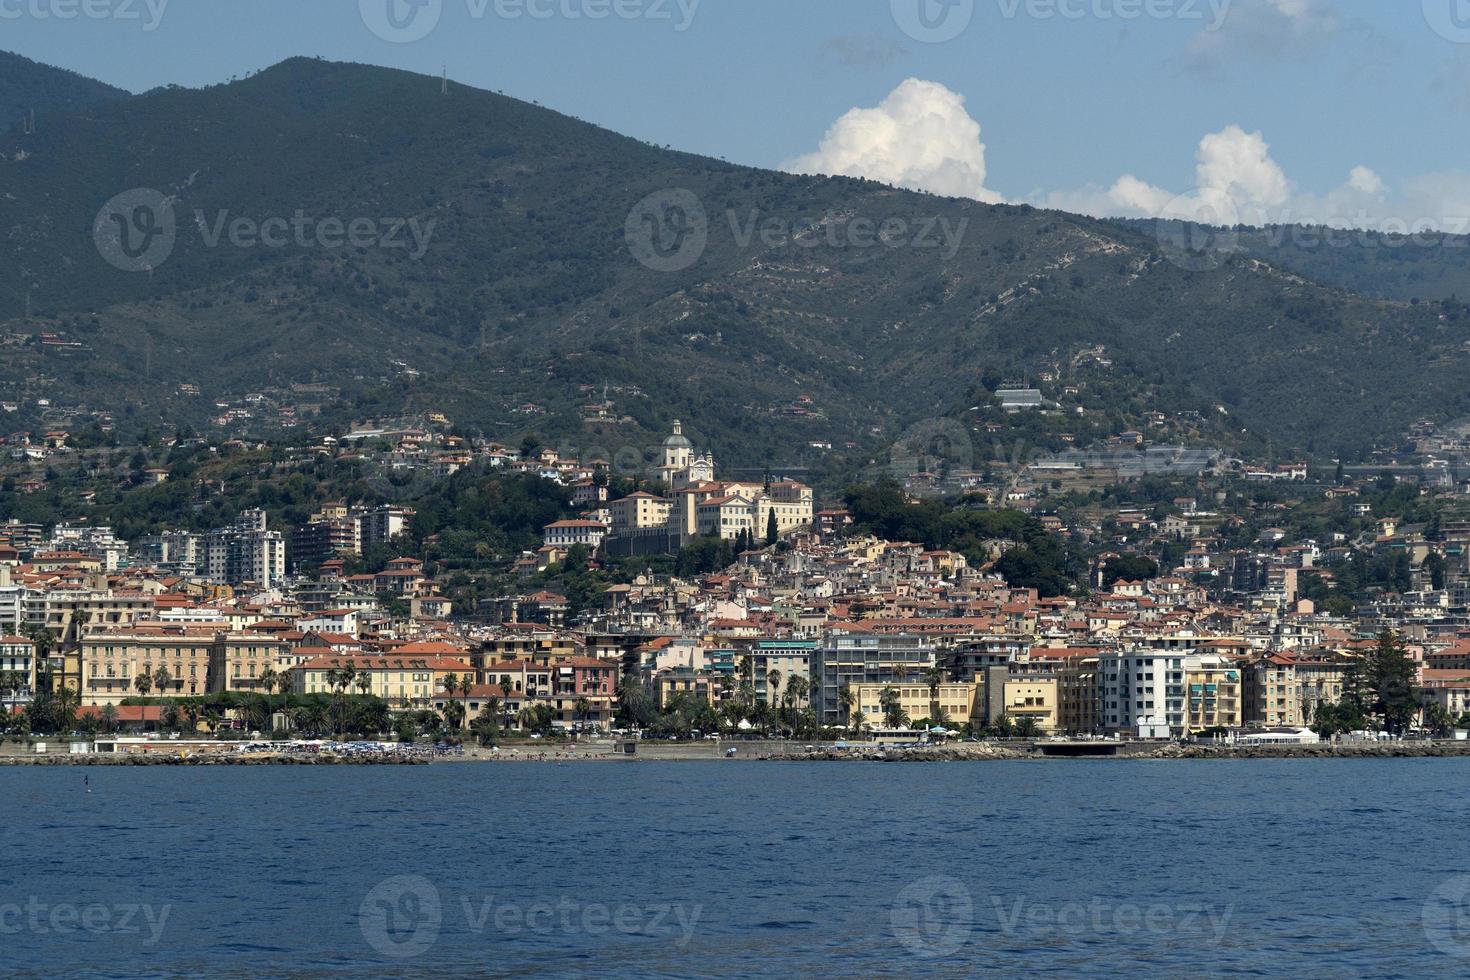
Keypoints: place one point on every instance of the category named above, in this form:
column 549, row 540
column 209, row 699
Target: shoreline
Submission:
column 1140, row 752
column 660, row 754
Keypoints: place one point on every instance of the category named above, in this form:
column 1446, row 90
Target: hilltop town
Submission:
column 1256, row 603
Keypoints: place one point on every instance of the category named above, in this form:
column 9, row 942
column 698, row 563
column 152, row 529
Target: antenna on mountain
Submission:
column 28, row 122
column 444, row 82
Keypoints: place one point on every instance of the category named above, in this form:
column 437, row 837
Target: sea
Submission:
column 1327, row 868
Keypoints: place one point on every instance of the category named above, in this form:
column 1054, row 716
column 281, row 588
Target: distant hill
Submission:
column 27, row 86
column 528, row 303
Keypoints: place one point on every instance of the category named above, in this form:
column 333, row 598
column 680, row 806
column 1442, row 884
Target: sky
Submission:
column 1353, row 112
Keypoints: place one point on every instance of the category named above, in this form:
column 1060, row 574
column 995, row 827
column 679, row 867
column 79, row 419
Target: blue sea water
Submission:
column 1263, row 868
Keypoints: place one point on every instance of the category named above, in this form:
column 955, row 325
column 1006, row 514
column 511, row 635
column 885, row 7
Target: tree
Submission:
column 935, row 676
column 1437, row 719
column 798, row 688
column 161, row 680
column 848, row 700
column 486, row 728
column 773, row 685
column 1392, row 673
column 454, row 713
column 143, row 683
column 892, row 706
column 1129, row 568
column 772, row 532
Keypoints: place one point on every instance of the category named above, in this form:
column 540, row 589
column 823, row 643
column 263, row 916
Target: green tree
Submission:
column 772, row 532
column 1392, row 674
column 892, row 707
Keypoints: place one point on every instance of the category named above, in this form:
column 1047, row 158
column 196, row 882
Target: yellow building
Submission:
column 707, row 686
column 1216, row 696
column 1036, row 697
column 112, row 659
column 639, row 510
column 238, row 661
column 402, row 681
column 959, row 701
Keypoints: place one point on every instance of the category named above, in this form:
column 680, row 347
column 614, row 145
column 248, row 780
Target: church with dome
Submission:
column 681, row 467
column 692, row 503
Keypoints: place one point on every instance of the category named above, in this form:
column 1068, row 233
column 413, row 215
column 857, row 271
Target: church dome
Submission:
column 677, row 440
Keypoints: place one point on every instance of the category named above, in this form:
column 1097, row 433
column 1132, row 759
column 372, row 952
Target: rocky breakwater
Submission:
column 219, row 759
column 976, row 752
column 1342, row 750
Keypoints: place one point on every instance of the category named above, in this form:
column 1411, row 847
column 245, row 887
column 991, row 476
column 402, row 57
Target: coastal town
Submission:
column 1186, row 622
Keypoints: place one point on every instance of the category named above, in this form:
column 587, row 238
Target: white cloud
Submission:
column 920, row 137
column 1238, row 182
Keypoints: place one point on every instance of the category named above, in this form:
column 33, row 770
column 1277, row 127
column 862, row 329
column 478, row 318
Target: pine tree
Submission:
column 1391, row 675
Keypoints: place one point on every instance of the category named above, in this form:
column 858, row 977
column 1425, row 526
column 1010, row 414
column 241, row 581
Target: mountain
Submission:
column 30, row 87
column 886, row 312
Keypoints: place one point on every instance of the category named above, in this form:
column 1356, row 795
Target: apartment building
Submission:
column 857, row 659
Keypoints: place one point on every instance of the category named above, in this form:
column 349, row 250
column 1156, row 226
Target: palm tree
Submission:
column 454, row 713
column 858, row 721
column 893, row 713
column 773, row 686
column 267, row 684
column 283, row 685
column 67, row 702
column 797, row 689
column 848, row 700
column 364, row 683
column 583, row 709
column 109, row 718
column 144, row 683
column 935, row 677
column 161, row 679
